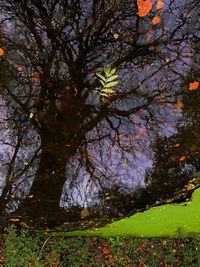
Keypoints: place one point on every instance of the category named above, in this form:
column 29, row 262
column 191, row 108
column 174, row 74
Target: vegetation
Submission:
column 31, row 249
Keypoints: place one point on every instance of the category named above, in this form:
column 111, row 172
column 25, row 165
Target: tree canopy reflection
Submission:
column 57, row 132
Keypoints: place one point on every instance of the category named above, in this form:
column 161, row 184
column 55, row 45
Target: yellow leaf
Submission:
column 144, row 7
column 160, row 5
column 1, row 52
column 193, row 86
column 156, row 20
column 116, row 35
column 179, row 104
column 84, row 213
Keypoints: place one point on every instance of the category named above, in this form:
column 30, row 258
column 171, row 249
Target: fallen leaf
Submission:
column 160, row 5
column 116, row 35
column 182, row 158
column 30, row 196
column 144, row 7
column 177, row 145
column 1, row 52
column 179, row 104
column 156, row 20
column 20, row 69
column 149, row 35
column 14, row 220
column 168, row 201
column 85, row 213
column 35, row 75
column 105, row 250
column 193, row 86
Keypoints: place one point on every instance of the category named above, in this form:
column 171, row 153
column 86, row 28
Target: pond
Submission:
column 99, row 110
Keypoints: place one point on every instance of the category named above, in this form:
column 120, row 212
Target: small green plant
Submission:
column 108, row 81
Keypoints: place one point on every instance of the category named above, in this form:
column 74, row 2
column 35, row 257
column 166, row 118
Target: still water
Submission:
column 99, row 109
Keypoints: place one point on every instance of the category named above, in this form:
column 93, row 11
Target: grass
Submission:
column 33, row 249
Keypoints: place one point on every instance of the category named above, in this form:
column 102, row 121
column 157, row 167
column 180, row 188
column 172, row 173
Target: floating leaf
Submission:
column 31, row 115
column 108, row 91
column 144, row 7
column 104, row 94
column 168, row 200
column 193, row 86
column 156, row 20
column 84, row 213
column 103, row 83
column 14, row 220
column 111, row 78
column 182, row 158
column 116, row 35
column 179, row 104
column 113, row 71
column 177, row 145
column 107, row 81
column 160, row 5
column 20, row 69
column 107, row 70
column 1, row 52
column 110, row 84
column 101, row 77
column 35, row 75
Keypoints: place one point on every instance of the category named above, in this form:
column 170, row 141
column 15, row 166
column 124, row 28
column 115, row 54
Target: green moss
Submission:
column 167, row 220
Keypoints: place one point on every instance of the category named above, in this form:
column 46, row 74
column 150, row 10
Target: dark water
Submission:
column 72, row 155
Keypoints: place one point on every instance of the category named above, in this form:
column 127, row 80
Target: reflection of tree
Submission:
column 177, row 158
column 54, row 53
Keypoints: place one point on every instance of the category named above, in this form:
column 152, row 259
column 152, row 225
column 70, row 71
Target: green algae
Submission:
column 169, row 220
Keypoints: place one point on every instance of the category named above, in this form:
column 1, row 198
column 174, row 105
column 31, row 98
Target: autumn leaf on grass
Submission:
column 156, row 20
column 144, row 7
column 160, row 5
column 1, row 52
column 193, row 86
column 105, row 250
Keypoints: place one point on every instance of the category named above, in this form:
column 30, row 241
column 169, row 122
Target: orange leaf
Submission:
column 182, row 158
column 194, row 85
column 150, row 34
column 35, row 75
column 1, row 52
column 156, row 20
column 14, row 220
column 177, row 145
column 168, row 201
column 20, row 68
column 188, row 188
column 105, row 250
column 160, row 5
column 144, row 7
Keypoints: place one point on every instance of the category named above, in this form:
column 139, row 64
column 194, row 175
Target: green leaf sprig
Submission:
column 108, row 81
